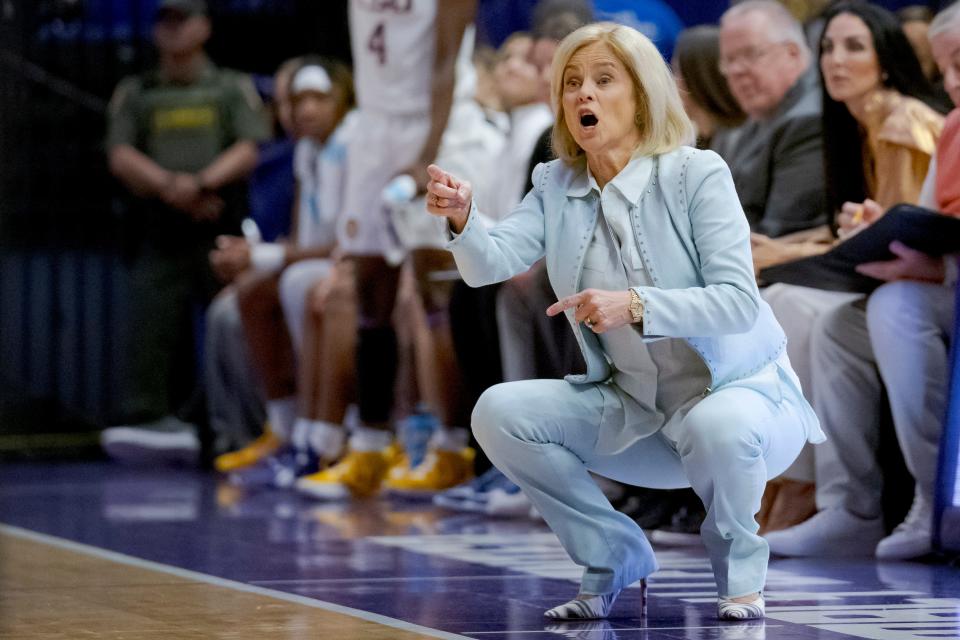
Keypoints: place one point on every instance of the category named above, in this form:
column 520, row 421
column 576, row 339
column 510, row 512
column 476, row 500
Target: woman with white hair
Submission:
column 687, row 381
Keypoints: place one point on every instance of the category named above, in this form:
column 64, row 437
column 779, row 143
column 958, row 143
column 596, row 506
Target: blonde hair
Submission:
column 660, row 117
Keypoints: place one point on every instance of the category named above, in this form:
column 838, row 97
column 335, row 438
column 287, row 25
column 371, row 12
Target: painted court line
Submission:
column 587, row 623
column 322, row 581
column 113, row 556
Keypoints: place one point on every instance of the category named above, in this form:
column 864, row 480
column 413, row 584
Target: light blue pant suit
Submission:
column 719, row 414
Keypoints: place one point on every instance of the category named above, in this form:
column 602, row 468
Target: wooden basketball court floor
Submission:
column 95, row 550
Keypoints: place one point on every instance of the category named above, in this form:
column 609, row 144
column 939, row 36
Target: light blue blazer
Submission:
column 694, row 242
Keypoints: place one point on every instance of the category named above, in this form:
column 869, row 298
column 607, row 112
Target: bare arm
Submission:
column 458, row 14
column 141, row 175
column 233, row 164
column 295, row 254
column 192, row 194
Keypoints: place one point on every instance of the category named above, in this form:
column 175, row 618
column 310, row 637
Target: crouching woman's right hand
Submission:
column 449, row 197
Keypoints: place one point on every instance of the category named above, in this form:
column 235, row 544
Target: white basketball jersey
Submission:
column 394, row 44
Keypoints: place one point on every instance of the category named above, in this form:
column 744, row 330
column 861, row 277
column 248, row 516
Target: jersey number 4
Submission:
column 377, row 43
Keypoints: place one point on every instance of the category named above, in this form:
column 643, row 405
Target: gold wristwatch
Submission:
column 636, row 306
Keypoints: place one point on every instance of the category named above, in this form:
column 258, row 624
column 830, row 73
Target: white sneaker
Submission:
column 168, row 440
column 830, row 533
column 508, row 504
column 913, row 537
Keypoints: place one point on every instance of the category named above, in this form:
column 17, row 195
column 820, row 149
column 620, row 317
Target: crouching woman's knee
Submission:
column 718, row 437
column 494, row 416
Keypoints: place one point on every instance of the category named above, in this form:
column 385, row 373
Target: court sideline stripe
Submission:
column 121, row 558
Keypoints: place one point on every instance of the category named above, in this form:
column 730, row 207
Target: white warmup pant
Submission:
column 905, row 333
column 910, row 326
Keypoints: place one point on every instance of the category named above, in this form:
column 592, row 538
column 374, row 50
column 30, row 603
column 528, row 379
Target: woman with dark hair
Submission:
column 880, row 114
column 706, row 97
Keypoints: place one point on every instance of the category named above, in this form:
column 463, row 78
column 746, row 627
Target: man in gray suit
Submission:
column 777, row 167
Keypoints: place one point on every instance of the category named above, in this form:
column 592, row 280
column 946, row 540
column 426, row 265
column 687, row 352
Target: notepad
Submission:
column 933, row 233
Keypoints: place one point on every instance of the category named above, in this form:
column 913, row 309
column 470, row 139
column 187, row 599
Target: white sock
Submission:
column 281, row 413
column 367, row 439
column 326, row 439
column 449, row 439
column 300, row 439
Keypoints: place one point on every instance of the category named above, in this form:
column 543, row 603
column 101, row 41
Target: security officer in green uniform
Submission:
column 182, row 139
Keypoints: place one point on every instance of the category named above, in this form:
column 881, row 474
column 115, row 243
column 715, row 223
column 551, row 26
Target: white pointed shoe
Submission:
column 729, row 610
column 913, row 537
column 829, row 533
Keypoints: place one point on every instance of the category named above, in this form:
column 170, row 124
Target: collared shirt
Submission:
column 661, row 377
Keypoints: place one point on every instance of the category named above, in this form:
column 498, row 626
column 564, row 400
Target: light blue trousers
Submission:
column 542, row 435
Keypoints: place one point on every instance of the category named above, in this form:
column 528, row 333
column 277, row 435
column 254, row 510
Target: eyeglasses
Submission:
column 748, row 57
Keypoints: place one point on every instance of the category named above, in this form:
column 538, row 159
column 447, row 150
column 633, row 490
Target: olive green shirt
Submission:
column 185, row 127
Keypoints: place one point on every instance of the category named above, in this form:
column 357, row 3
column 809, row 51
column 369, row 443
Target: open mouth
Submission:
column 588, row 120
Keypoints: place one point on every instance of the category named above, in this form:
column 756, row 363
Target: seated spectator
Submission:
column 904, row 332
column 182, row 139
column 234, row 399
column 321, row 95
column 776, row 167
column 706, row 97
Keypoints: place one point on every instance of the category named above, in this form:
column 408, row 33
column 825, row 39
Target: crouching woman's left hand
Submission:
column 598, row 309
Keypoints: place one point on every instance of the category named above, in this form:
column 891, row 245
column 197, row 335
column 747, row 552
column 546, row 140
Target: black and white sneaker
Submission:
column 588, row 607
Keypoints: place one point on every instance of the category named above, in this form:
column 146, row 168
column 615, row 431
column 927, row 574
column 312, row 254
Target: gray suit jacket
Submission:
column 777, row 166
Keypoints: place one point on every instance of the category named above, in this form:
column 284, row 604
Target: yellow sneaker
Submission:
column 439, row 471
column 358, row 474
column 264, row 446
